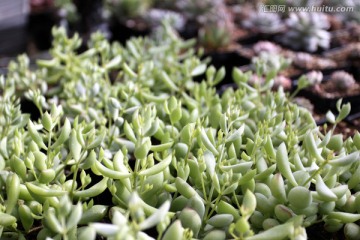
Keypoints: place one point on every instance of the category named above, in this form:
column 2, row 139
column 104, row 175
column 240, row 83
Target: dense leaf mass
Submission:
column 129, row 146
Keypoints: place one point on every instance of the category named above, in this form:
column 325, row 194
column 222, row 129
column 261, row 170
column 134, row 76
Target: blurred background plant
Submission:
column 125, row 9
column 346, row 16
column 264, row 22
column 195, row 10
column 68, row 10
column 217, row 28
column 268, row 62
column 307, row 31
column 342, row 80
column 156, row 16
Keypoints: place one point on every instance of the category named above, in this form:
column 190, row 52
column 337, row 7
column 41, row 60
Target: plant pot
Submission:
column 228, row 59
column 122, row 31
column 39, row 27
column 354, row 120
column 324, row 101
column 13, row 18
column 190, row 30
column 89, row 13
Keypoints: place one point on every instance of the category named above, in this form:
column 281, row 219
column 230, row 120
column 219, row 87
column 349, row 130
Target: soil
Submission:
column 348, row 127
column 317, row 232
column 330, row 90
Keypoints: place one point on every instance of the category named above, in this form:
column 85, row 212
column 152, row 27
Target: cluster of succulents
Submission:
column 208, row 19
column 129, row 146
column 300, row 30
column 307, row 31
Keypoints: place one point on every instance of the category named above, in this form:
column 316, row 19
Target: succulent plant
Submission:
column 264, row 22
column 314, row 77
column 307, row 31
column 156, row 16
column 218, row 29
column 343, row 80
column 268, row 62
column 214, row 36
column 67, row 9
column 195, row 9
column 124, row 9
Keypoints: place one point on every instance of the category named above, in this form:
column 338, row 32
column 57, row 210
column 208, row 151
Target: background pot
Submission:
column 13, row 18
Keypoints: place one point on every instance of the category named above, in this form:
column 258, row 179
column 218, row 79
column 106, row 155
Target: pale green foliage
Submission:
column 129, row 123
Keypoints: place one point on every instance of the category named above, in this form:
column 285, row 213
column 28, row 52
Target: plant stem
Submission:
column 75, row 175
column 316, row 172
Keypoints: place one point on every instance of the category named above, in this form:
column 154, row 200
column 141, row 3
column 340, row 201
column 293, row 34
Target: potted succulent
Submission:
column 325, row 93
column 217, row 37
column 307, row 31
column 128, row 145
column 196, row 14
